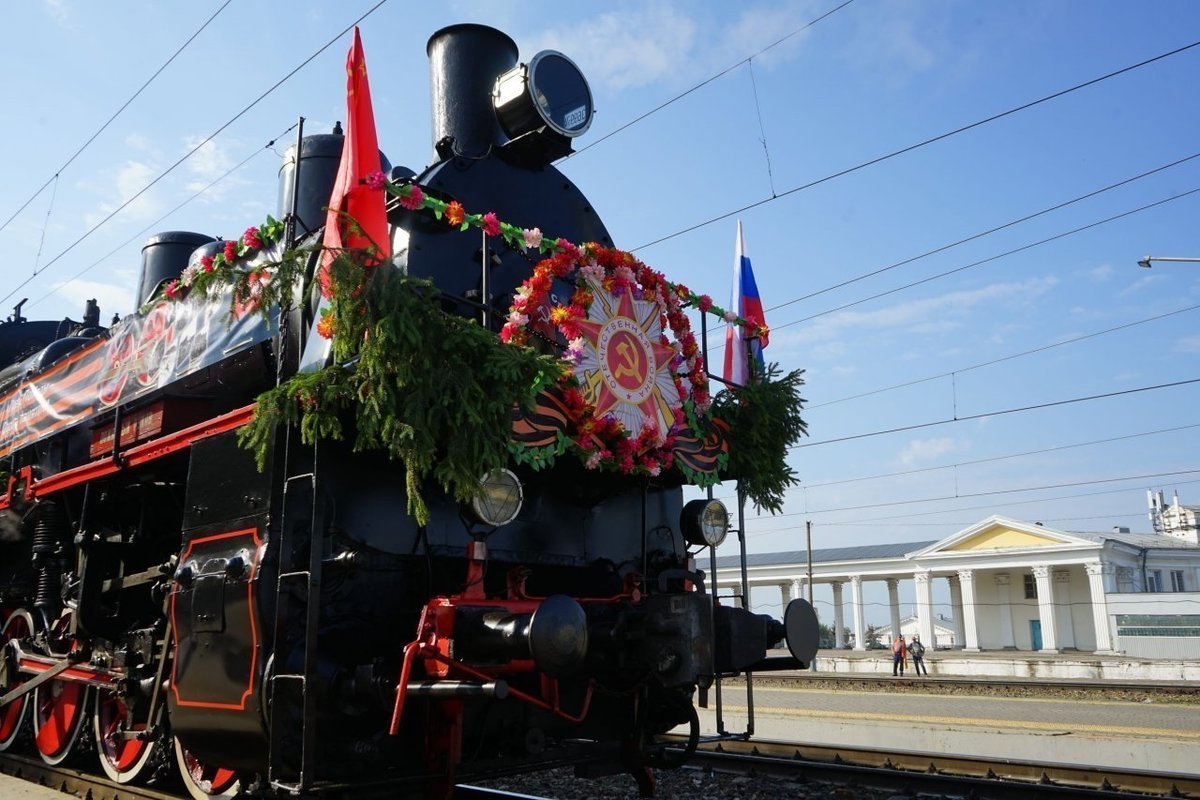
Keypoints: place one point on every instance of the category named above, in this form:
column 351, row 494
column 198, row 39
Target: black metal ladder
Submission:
column 302, row 544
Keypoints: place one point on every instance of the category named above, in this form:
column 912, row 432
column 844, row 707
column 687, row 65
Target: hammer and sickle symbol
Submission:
column 632, row 362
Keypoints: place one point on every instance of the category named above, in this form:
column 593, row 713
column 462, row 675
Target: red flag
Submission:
column 360, row 158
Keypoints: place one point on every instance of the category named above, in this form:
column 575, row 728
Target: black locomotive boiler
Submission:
column 292, row 630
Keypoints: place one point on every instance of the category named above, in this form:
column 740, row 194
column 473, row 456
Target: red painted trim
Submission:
column 143, row 453
column 240, row 706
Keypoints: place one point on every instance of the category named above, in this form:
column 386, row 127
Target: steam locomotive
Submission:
column 292, row 630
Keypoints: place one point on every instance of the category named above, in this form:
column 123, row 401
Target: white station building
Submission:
column 1016, row 586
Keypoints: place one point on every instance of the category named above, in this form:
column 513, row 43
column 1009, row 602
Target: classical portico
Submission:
column 1011, row 585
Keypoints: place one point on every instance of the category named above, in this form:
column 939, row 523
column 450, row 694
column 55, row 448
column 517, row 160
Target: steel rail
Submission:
column 1050, row 685
column 1000, row 779
column 74, row 781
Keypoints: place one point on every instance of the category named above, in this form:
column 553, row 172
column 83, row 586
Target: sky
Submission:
column 860, row 257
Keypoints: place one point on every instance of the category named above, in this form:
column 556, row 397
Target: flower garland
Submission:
column 222, row 269
column 413, row 198
column 603, row 442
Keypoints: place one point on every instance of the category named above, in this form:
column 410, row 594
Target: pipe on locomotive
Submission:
column 464, row 61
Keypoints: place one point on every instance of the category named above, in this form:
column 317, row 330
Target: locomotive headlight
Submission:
column 704, row 522
column 499, row 499
column 550, row 91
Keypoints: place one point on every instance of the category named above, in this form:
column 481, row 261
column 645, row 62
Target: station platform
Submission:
column 1068, row 665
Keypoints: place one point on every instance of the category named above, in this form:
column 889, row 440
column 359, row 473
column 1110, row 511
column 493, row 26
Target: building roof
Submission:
column 823, row 556
column 1149, row 540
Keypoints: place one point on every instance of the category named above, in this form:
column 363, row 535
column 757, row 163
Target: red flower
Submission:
column 172, row 291
column 206, row 263
column 491, row 224
column 705, row 303
column 376, row 181
column 230, row 252
column 250, row 238
column 325, row 326
column 455, row 213
column 413, row 200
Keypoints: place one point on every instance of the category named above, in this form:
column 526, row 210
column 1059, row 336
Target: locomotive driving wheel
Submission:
column 59, row 711
column 14, row 717
column 205, row 781
column 123, row 759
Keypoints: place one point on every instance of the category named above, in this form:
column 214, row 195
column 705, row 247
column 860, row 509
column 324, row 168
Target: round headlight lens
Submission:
column 705, row 523
column 499, row 499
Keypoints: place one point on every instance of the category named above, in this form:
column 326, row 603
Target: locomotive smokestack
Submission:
column 464, row 61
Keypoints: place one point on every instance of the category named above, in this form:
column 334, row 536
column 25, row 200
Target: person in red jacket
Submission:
column 899, row 653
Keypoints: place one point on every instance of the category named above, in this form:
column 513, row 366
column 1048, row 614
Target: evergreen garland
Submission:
column 434, row 390
column 764, row 423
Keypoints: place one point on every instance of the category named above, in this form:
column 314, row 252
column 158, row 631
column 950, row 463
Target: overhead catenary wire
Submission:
column 988, row 232
column 1005, row 457
column 910, row 148
column 1009, row 357
column 709, row 80
column 269, row 146
column 985, row 493
column 982, row 261
column 54, row 178
column 1000, row 412
column 195, row 149
column 903, row 517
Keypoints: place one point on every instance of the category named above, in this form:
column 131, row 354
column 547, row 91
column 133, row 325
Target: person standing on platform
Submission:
column 898, row 656
column 917, row 651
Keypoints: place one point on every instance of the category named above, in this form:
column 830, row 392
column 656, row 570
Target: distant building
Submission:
column 1018, row 586
column 943, row 632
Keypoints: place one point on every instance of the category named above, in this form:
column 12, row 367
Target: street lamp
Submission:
column 1145, row 261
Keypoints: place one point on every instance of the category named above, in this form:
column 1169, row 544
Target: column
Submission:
column 966, row 582
column 839, row 623
column 856, row 601
column 785, row 594
column 956, row 610
column 1096, row 573
column 894, row 604
column 1062, row 609
column 797, row 590
column 924, row 607
column 1045, row 590
column 1005, row 602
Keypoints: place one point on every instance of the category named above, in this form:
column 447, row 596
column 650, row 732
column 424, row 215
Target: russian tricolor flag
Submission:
column 746, row 302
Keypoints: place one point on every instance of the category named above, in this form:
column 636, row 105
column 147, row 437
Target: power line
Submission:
column 707, row 81
column 109, row 121
column 988, row 232
column 990, row 259
column 153, row 224
column 916, row 146
column 192, row 152
column 1001, row 412
column 988, row 493
column 1003, row 457
column 1010, row 357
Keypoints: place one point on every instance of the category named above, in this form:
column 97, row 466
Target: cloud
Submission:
column 940, row 309
column 131, row 178
column 207, row 164
column 920, row 451
column 1188, row 344
column 630, row 48
column 58, row 11
column 111, row 297
column 1102, row 273
column 1139, row 285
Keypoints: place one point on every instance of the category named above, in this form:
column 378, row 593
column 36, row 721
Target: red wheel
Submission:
column 123, row 760
column 13, row 717
column 59, row 711
column 205, row 781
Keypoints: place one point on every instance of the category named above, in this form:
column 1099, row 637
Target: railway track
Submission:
column 1050, row 685
column 897, row 771
column 925, row 773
